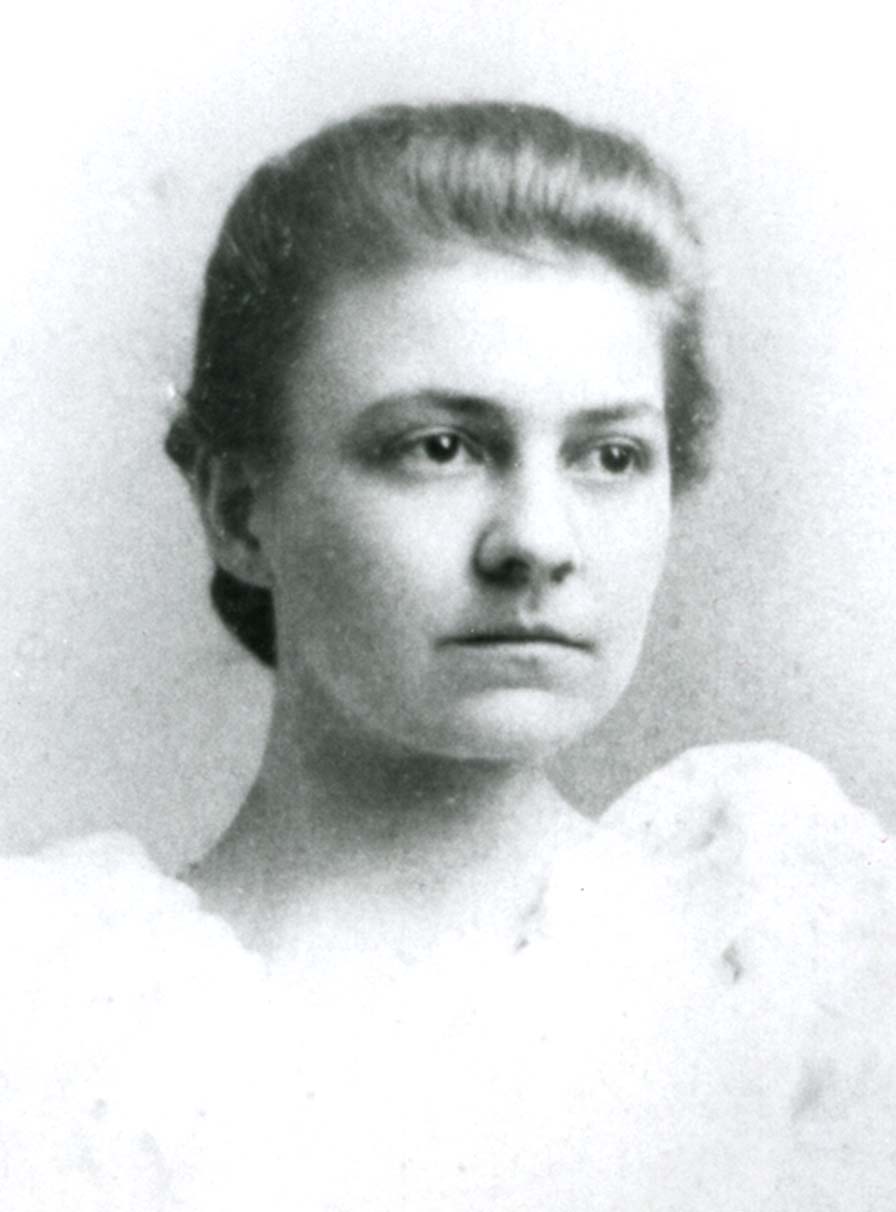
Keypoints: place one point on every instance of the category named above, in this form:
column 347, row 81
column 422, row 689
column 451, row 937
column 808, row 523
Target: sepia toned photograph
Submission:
column 449, row 604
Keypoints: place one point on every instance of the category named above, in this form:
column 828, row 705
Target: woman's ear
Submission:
column 230, row 495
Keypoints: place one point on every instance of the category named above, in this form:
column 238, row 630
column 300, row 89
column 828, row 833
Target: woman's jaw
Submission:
column 499, row 704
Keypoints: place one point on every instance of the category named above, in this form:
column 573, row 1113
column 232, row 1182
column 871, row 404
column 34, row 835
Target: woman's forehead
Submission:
column 551, row 335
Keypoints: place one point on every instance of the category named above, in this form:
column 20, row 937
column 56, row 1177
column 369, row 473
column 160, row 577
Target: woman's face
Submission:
column 466, row 538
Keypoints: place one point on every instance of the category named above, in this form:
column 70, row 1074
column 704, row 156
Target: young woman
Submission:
column 448, row 382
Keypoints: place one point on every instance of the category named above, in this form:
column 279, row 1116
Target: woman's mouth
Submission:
column 521, row 635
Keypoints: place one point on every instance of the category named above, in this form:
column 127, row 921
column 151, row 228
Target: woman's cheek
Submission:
column 381, row 568
column 427, row 535
column 628, row 545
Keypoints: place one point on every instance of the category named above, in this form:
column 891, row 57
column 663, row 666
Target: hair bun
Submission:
column 247, row 611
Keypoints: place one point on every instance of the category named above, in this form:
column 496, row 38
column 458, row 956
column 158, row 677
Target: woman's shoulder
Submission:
column 102, row 884
column 95, row 916
column 762, row 836
column 793, row 886
column 87, row 870
column 783, row 893
column 760, row 807
column 121, row 996
column 753, row 850
column 713, row 788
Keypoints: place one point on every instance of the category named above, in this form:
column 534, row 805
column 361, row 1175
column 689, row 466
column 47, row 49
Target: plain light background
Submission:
column 126, row 131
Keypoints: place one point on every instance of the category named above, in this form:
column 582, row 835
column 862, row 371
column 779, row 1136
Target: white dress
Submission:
column 703, row 1020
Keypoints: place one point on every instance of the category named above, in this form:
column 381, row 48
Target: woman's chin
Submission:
column 518, row 726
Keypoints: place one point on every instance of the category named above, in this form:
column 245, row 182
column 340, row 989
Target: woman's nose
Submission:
column 529, row 539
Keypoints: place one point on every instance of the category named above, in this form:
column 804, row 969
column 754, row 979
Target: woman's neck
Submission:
column 436, row 846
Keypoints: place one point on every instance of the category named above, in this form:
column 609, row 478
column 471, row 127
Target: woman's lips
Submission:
column 521, row 636
column 523, row 657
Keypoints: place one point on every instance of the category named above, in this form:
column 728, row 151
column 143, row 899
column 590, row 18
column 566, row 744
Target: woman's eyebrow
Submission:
column 623, row 410
column 487, row 408
column 459, row 403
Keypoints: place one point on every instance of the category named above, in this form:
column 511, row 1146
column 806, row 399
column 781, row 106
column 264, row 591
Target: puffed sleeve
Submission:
column 117, row 1021
column 790, row 891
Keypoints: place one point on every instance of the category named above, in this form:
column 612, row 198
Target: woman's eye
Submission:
column 611, row 460
column 441, row 448
column 617, row 459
